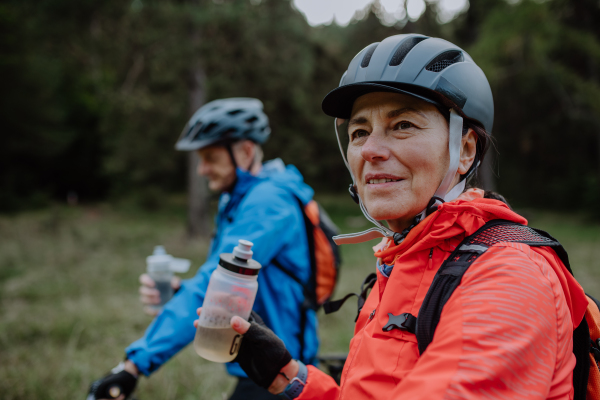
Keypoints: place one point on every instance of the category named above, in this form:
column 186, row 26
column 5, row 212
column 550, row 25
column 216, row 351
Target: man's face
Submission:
column 215, row 164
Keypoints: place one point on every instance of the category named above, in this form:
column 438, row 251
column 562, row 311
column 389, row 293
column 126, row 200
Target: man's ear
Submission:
column 245, row 153
column 249, row 148
column 468, row 150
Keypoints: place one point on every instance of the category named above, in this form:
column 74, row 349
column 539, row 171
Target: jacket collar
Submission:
column 244, row 181
column 458, row 218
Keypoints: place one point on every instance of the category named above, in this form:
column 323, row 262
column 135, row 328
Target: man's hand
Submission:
column 262, row 354
column 117, row 385
column 150, row 296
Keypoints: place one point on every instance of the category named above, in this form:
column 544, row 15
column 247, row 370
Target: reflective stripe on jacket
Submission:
column 505, row 333
column 263, row 210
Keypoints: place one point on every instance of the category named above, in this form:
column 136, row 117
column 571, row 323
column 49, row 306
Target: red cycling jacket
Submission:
column 505, row 333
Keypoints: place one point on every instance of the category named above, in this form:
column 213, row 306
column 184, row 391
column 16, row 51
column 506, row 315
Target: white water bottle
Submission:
column 161, row 266
column 231, row 291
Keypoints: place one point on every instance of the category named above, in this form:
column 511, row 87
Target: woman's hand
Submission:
column 262, row 354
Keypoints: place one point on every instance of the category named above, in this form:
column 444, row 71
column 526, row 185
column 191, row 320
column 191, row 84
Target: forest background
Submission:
column 95, row 93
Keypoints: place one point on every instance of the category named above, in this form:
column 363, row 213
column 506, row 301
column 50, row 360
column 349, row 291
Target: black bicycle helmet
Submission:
column 225, row 121
column 432, row 69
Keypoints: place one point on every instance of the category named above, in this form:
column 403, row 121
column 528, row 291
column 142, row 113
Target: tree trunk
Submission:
column 198, row 196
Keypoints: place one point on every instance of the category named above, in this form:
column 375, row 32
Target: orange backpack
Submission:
column 324, row 256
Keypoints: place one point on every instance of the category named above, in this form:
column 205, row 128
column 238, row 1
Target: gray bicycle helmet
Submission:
column 433, row 70
column 225, row 121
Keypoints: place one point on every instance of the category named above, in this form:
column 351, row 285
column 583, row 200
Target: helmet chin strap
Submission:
column 441, row 195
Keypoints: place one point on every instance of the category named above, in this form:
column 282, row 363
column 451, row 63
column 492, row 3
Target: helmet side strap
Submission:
column 229, row 148
column 384, row 230
column 454, row 142
column 337, row 136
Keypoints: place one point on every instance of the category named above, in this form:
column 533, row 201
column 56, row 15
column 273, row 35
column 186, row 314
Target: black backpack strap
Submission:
column 581, row 348
column 452, row 270
column 472, row 247
column 333, row 306
column 444, row 283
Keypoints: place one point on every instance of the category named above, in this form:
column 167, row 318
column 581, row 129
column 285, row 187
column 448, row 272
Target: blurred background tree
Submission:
column 96, row 93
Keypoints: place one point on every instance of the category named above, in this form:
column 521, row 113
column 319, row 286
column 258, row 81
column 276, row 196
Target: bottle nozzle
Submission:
column 243, row 250
column 159, row 251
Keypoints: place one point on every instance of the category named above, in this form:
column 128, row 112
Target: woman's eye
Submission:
column 359, row 133
column 404, row 125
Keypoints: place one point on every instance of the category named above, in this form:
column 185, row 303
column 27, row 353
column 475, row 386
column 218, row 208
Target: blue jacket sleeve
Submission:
column 263, row 217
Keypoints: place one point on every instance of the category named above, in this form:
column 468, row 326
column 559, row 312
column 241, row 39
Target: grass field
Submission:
column 68, row 294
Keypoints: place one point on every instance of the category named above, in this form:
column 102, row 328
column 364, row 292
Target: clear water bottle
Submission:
column 231, row 291
column 161, row 266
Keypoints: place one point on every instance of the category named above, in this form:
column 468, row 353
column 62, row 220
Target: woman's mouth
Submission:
column 374, row 181
column 380, row 178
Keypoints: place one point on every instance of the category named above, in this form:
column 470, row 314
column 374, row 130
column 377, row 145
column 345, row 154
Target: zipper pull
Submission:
column 431, row 258
column 372, row 314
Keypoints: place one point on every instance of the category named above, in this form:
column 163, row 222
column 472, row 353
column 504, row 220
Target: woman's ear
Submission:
column 468, row 150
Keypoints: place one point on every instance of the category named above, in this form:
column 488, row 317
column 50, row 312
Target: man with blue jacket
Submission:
column 260, row 203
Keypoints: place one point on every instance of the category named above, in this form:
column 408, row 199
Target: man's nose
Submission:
column 202, row 168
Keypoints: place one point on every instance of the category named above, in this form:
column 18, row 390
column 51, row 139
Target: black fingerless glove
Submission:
column 262, row 354
column 113, row 385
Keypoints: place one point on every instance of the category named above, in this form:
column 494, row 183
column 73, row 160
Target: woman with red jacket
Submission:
column 417, row 112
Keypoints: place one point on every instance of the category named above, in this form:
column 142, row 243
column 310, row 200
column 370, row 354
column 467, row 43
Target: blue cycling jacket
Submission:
column 264, row 210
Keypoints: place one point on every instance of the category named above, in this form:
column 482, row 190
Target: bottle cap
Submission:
column 243, row 250
column 159, row 251
column 240, row 261
column 159, row 260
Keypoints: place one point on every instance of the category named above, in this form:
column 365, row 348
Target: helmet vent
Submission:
column 234, row 112
column 368, row 54
column 445, row 60
column 403, row 50
column 193, row 131
column 209, row 128
column 252, row 119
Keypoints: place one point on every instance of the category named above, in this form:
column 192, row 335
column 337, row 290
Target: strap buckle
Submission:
column 404, row 322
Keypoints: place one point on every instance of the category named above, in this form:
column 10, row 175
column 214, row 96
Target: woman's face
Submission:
column 398, row 153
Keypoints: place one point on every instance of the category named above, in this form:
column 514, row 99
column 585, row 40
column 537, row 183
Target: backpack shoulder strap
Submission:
column 472, row 247
column 452, row 270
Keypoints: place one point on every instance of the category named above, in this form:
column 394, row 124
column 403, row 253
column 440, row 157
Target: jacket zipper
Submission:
column 372, row 314
column 430, row 258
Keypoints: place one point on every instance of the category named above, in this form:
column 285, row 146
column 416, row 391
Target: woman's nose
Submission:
column 375, row 147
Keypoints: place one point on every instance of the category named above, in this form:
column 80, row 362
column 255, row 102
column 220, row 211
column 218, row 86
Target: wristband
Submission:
column 296, row 385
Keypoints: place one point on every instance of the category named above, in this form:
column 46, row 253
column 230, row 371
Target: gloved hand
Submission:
column 119, row 384
column 262, row 354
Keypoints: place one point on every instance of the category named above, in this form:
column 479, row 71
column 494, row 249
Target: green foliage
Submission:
column 47, row 112
column 543, row 72
column 96, row 93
